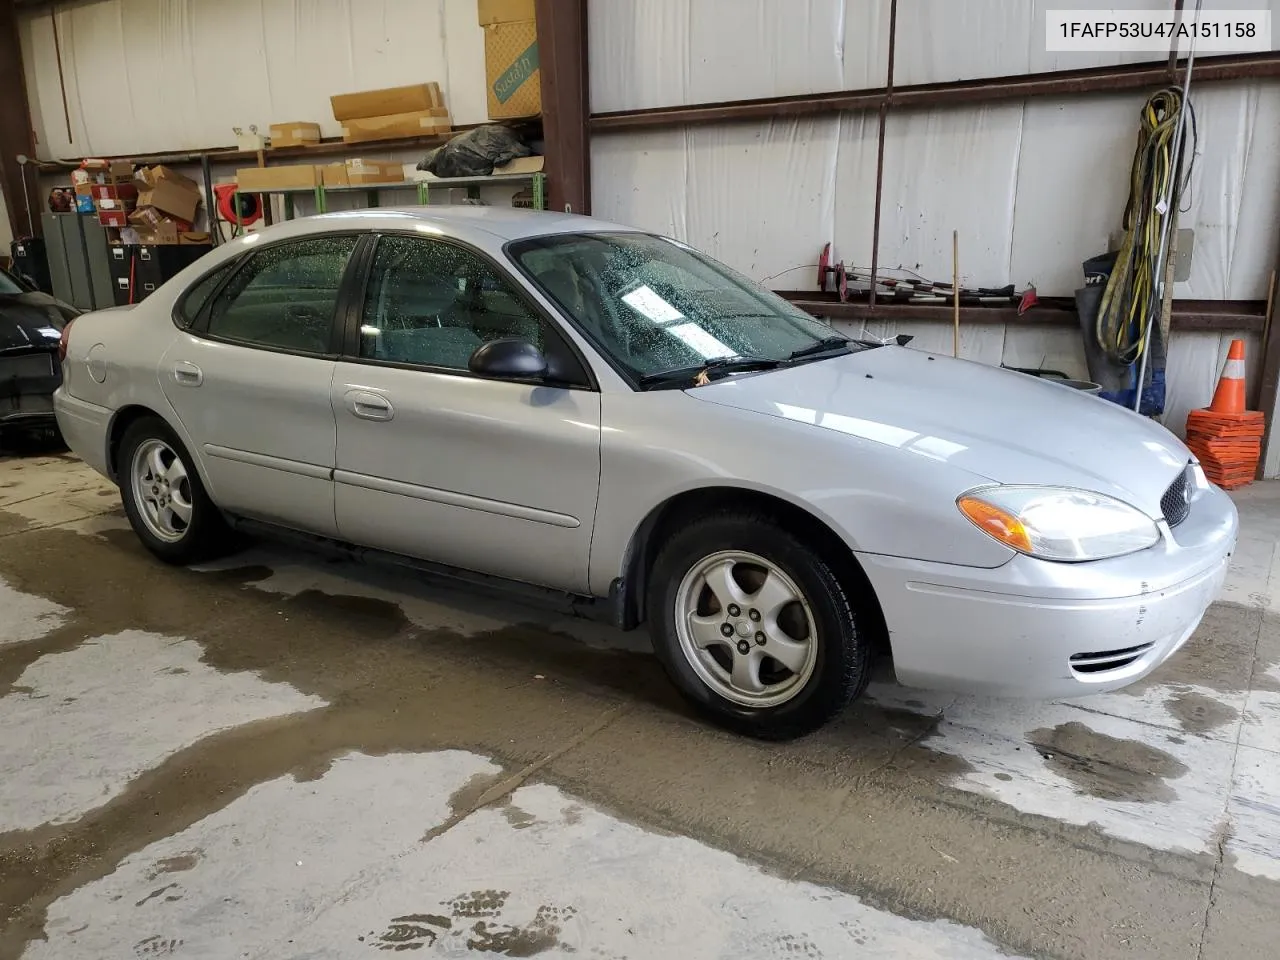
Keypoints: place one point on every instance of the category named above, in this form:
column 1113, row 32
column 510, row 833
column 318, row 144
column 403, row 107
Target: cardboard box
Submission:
column 113, row 218
column 84, row 189
column 172, row 198
column 166, row 231
column 112, row 203
column 294, row 134
column 416, row 124
column 522, row 165
column 504, row 11
column 380, row 103
column 111, row 191
column 334, row 175
column 148, row 177
column 278, row 178
column 374, row 171
column 512, row 80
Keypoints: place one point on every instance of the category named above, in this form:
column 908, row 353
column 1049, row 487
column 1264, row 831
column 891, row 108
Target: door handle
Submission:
column 187, row 374
column 369, row 406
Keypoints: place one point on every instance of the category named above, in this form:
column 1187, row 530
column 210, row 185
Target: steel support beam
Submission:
column 16, row 133
column 1061, row 83
column 1269, row 385
column 1223, row 316
column 562, row 63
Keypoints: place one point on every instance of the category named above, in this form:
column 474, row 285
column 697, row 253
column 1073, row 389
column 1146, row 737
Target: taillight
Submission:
column 64, row 341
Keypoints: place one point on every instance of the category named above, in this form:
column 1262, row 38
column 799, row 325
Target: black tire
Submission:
column 207, row 536
column 843, row 660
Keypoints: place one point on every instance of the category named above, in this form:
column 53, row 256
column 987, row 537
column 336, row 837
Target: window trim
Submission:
column 231, row 265
column 627, row 376
column 350, row 342
column 200, row 328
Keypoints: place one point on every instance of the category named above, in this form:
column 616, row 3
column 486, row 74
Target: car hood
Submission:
column 1005, row 426
column 26, row 320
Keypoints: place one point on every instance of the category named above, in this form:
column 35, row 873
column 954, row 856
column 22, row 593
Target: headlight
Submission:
column 1059, row 524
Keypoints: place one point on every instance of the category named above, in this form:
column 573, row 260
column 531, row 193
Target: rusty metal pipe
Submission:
column 884, row 122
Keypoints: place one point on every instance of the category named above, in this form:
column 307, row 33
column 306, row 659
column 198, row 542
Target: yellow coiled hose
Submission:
column 1127, row 307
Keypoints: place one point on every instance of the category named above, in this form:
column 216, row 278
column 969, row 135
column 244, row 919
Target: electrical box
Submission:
column 1184, row 244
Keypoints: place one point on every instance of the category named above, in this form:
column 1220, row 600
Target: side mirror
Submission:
column 518, row 359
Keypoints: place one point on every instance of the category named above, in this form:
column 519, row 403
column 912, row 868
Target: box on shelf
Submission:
column 104, row 170
column 111, row 191
column 521, row 165
column 171, row 198
column 374, row 171
column 334, row 175
column 504, row 11
column 380, row 103
column 113, row 218
column 416, row 124
column 148, row 177
column 295, row 134
column 513, row 83
column 290, row 176
column 112, row 203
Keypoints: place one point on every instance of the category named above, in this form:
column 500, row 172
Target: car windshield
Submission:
column 7, row 285
column 654, row 305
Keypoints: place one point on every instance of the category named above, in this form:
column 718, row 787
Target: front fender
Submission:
column 879, row 500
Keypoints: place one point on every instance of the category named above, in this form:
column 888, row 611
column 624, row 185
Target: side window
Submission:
column 190, row 306
column 434, row 303
column 285, row 296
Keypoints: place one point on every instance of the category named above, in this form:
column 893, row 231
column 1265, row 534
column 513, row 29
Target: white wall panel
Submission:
column 1071, row 187
column 948, row 170
column 657, row 53
column 149, row 75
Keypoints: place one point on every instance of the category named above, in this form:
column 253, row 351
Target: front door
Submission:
column 251, row 384
column 434, row 462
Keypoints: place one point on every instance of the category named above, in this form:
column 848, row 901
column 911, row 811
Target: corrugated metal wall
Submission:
column 1034, row 188
column 152, row 75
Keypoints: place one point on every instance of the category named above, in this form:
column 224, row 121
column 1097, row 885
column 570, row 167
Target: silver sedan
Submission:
column 602, row 418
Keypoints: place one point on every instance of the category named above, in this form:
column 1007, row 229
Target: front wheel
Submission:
column 754, row 628
column 164, row 499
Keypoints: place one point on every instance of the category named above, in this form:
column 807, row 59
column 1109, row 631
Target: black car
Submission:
column 31, row 325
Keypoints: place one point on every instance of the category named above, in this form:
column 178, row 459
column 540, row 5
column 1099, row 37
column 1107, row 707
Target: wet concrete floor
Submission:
column 282, row 755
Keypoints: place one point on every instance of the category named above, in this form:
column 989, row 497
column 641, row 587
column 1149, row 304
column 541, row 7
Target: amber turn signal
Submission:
column 996, row 523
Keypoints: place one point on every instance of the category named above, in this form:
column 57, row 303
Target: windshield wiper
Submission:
column 722, row 365
column 825, row 345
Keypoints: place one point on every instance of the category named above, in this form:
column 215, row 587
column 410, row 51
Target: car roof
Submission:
column 463, row 221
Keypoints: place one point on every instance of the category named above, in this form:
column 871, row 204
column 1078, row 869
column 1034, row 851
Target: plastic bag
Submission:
column 475, row 153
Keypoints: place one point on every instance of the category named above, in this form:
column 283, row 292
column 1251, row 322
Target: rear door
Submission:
column 491, row 475
column 251, row 380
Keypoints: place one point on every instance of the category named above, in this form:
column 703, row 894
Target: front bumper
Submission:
column 1031, row 628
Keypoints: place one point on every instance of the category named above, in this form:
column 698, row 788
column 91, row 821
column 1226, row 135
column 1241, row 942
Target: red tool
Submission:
column 838, row 271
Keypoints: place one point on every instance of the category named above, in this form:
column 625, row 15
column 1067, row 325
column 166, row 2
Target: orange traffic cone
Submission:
column 1229, row 397
column 1225, row 437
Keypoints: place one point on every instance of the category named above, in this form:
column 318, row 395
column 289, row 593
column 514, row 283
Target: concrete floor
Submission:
column 283, row 756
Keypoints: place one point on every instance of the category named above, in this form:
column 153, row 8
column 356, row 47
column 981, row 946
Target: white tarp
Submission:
column 159, row 75
column 1033, row 187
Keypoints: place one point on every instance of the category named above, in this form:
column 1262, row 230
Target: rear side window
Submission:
column 284, row 298
column 190, row 306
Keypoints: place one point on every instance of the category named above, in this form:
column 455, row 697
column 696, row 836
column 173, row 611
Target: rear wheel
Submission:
column 754, row 628
column 164, row 499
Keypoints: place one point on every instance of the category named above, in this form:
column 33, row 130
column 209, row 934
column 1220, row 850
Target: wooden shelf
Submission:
column 1210, row 315
column 325, row 148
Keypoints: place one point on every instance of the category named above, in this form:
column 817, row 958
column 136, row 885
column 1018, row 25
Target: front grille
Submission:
column 1176, row 504
column 1105, row 660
